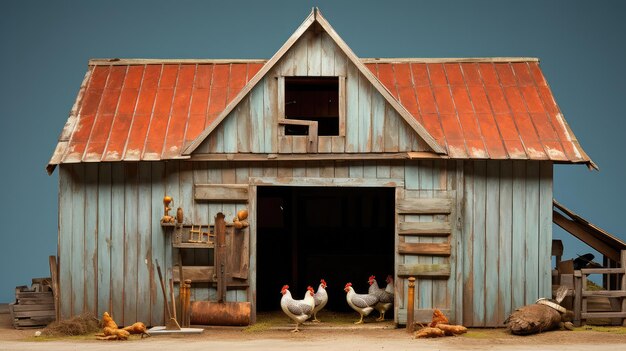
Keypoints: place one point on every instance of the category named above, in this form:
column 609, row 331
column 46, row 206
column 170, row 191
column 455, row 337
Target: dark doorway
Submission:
column 304, row 234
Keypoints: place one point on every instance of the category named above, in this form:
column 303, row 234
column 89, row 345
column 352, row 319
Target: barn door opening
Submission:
column 341, row 234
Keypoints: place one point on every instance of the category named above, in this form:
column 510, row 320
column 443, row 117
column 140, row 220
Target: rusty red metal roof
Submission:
column 483, row 110
column 147, row 111
column 130, row 111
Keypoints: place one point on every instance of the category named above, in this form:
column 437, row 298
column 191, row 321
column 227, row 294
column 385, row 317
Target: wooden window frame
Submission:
column 283, row 120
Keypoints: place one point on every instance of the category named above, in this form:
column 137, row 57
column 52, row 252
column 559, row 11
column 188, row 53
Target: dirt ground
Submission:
column 332, row 335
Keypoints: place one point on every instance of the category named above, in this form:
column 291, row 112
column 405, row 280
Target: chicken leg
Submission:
column 360, row 321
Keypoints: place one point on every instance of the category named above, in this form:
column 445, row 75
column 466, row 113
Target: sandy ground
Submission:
column 324, row 336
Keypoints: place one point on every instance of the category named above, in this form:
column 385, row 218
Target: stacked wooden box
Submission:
column 33, row 307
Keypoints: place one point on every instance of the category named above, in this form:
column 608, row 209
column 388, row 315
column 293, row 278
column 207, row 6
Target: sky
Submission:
column 45, row 47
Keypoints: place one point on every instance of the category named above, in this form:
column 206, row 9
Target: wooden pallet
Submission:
column 33, row 308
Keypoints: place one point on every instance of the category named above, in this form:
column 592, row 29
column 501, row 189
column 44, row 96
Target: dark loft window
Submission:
column 312, row 99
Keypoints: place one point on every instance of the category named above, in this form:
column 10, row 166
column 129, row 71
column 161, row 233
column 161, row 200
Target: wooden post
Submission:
column 186, row 303
column 54, row 275
column 623, row 286
column 220, row 256
column 578, row 297
column 410, row 309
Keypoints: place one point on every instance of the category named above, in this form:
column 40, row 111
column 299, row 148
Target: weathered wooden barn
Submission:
column 440, row 169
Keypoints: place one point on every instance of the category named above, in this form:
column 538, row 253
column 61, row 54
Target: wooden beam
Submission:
column 221, row 192
column 310, row 181
column 310, row 157
column 424, row 206
column 605, row 293
column 425, row 228
column 434, row 249
column 423, row 270
column 584, row 235
column 590, row 315
column 197, row 274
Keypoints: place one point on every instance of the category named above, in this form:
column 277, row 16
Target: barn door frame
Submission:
column 255, row 182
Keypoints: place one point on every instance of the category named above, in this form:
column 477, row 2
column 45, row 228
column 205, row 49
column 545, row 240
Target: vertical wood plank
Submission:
column 230, row 131
column 441, row 293
column 459, row 242
column 352, row 109
column 467, row 243
column 158, row 238
column 478, row 255
column 314, row 53
column 145, row 221
column 91, row 237
column 270, row 115
column 426, row 182
column 356, row 169
column 327, row 169
column 257, row 132
column 252, row 210
column 365, row 115
column 545, row 229
column 339, row 142
column 78, row 239
column 383, row 170
column 328, row 55
column 186, row 202
column 65, row 239
column 104, row 239
column 341, row 63
column 532, row 232
column 117, row 241
column 378, row 122
column 391, row 128
column 518, row 244
column 312, row 169
column 244, row 123
column 130, row 244
column 300, row 55
column 229, row 176
column 284, row 170
column 506, row 230
column 342, row 170
column 369, row 169
column 172, row 188
column 492, row 215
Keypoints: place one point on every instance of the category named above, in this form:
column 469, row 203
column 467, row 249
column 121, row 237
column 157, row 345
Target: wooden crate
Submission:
column 32, row 308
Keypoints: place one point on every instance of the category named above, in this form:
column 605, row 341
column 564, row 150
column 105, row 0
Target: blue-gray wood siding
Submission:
column 109, row 231
column 371, row 124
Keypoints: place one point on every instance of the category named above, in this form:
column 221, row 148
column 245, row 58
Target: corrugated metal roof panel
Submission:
column 474, row 108
column 505, row 110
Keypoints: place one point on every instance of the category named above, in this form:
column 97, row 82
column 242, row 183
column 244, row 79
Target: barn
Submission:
column 439, row 169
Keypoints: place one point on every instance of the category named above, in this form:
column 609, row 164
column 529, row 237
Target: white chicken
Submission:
column 321, row 298
column 298, row 310
column 361, row 303
column 385, row 296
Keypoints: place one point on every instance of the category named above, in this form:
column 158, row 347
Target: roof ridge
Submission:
column 152, row 61
column 149, row 61
column 447, row 59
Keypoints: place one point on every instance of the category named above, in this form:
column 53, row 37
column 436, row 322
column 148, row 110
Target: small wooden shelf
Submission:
column 193, row 245
column 163, row 224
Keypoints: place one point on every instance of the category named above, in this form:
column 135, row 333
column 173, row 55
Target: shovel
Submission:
column 171, row 323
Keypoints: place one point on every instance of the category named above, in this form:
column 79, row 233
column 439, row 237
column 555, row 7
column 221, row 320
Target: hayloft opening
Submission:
column 312, row 99
column 340, row 234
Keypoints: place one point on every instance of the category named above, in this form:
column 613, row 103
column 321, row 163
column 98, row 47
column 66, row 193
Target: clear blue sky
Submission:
column 45, row 46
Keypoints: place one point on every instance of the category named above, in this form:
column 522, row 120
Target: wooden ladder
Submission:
column 617, row 297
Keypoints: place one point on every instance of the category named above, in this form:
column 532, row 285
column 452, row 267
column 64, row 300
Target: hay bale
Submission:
column 83, row 324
